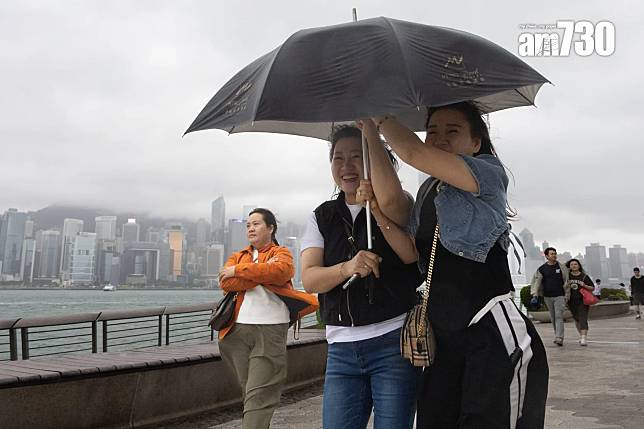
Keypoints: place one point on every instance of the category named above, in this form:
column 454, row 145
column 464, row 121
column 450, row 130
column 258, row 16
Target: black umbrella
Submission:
column 324, row 76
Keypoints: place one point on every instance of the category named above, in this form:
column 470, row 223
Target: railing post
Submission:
column 13, row 344
column 94, row 337
column 160, row 340
column 104, row 336
column 24, row 340
column 167, row 329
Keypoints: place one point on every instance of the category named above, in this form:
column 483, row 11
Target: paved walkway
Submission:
column 596, row 387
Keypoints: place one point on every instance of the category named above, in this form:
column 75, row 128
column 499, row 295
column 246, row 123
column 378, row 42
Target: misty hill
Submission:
column 53, row 216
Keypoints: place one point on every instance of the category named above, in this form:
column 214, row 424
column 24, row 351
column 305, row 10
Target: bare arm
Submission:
column 445, row 166
column 316, row 278
column 399, row 240
column 393, row 201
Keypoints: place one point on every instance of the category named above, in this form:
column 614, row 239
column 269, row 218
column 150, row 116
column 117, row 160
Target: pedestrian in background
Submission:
column 578, row 279
column 637, row 290
column 254, row 345
column 551, row 281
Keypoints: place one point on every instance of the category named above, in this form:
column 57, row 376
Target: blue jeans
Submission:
column 365, row 374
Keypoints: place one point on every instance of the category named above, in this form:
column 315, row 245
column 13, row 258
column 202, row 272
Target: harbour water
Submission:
column 50, row 302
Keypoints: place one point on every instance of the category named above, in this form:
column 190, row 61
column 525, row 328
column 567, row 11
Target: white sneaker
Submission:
column 582, row 342
column 639, row 316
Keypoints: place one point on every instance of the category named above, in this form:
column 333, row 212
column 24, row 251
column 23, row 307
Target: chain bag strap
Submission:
column 417, row 340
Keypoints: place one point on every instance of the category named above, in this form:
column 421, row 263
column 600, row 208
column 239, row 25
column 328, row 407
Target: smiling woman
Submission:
column 364, row 367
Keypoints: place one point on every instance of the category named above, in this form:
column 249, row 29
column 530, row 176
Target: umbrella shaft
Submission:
column 365, row 164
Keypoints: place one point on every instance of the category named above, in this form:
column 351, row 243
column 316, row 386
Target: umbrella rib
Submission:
column 531, row 103
column 268, row 74
column 402, row 54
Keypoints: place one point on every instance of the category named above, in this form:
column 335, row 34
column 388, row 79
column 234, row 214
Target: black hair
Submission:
column 636, row 269
column 548, row 249
column 353, row 132
column 269, row 220
column 478, row 129
column 598, row 280
column 581, row 268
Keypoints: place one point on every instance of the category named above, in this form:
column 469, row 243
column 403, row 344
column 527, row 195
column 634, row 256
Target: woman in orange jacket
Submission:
column 254, row 345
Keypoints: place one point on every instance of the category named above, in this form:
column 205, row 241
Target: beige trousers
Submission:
column 257, row 356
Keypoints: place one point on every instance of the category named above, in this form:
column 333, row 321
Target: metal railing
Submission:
column 119, row 330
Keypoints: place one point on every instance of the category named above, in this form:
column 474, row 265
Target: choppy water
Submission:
column 30, row 303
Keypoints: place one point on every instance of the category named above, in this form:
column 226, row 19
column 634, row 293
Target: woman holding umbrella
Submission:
column 490, row 368
column 365, row 370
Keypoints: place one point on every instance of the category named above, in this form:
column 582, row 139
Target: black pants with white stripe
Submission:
column 493, row 374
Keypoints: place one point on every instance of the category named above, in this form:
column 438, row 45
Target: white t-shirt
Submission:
column 261, row 306
column 345, row 334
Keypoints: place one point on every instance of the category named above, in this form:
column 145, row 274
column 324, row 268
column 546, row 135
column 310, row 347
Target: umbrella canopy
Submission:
column 324, row 76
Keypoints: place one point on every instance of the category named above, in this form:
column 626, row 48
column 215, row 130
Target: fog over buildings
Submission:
column 94, row 107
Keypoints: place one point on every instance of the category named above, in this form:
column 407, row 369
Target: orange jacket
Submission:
column 274, row 276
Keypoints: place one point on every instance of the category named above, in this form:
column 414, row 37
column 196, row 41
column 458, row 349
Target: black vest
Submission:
column 394, row 293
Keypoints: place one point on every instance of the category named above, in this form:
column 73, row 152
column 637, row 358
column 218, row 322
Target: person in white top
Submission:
column 254, row 346
column 365, row 370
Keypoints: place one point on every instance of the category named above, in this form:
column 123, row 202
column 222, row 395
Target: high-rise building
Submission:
column 130, row 232
column 106, row 250
column 49, row 261
column 153, row 235
column 83, row 259
column 214, row 259
column 29, row 228
column 618, row 262
column 27, row 261
column 237, row 238
column 596, row 262
column 176, row 241
column 105, row 227
column 71, row 228
column 203, row 232
column 12, row 235
column 218, row 220
column 534, row 256
column 151, row 260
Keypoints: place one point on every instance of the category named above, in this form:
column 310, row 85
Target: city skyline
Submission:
column 98, row 120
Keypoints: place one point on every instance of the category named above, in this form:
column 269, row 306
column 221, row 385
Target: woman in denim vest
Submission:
column 490, row 369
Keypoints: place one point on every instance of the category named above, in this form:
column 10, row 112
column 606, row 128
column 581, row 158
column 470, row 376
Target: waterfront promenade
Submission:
column 596, row 387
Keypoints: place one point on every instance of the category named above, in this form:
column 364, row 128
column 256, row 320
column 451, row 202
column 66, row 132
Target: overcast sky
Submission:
column 95, row 96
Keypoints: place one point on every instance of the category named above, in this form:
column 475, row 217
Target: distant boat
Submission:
column 109, row 288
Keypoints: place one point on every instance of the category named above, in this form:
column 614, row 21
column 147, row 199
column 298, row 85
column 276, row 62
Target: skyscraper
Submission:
column 176, row 241
column 12, row 235
column 49, row 261
column 130, row 232
column 71, row 227
column 596, row 262
column 83, row 259
column 618, row 262
column 203, row 232
column 218, row 220
column 105, row 227
column 237, row 238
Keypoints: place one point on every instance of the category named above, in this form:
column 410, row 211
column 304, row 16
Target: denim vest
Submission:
column 470, row 223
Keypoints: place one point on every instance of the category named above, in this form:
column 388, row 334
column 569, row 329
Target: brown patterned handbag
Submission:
column 417, row 340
